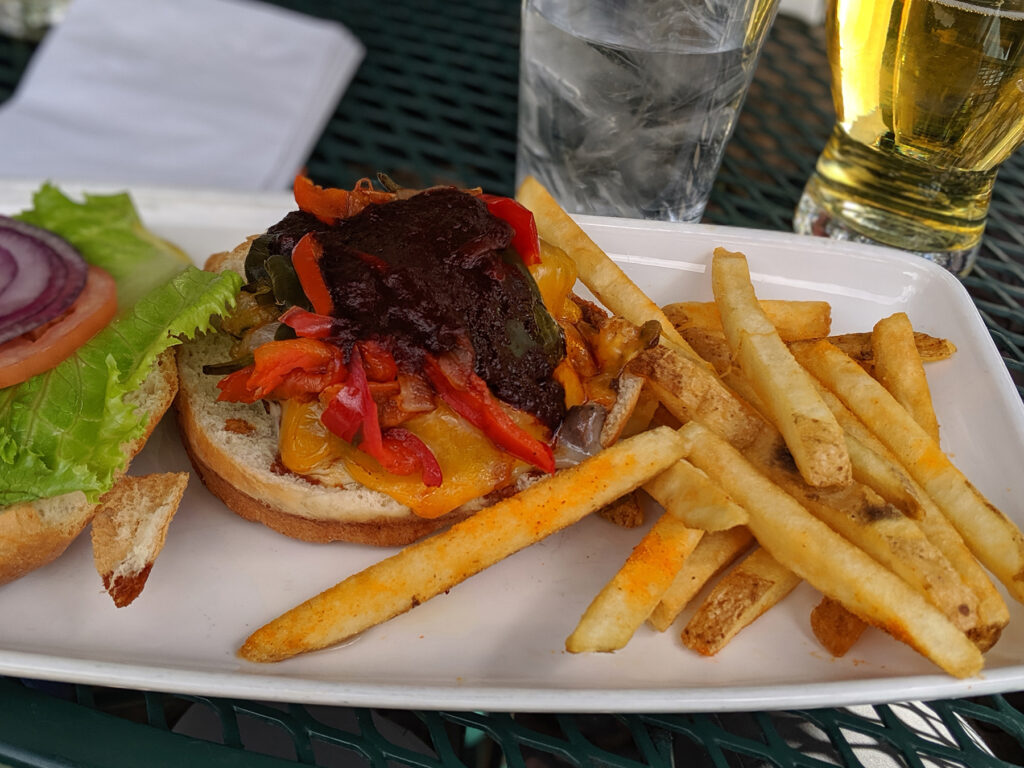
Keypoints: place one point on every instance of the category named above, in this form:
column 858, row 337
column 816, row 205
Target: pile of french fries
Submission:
column 776, row 453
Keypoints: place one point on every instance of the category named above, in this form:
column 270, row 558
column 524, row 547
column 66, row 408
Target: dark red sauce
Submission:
column 436, row 273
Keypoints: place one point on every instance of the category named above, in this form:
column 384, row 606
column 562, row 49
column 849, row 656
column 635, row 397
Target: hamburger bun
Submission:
column 33, row 534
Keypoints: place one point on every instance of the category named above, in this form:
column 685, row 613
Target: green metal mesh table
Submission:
column 435, row 102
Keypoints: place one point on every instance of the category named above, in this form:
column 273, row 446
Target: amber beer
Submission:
column 929, row 97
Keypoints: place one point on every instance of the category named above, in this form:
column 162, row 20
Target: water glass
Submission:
column 625, row 106
column 929, row 98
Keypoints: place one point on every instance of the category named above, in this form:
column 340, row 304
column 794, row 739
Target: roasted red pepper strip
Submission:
column 275, row 361
column 353, row 407
column 468, row 395
column 307, row 324
column 404, row 444
column 525, row 241
column 285, row 369
column 306, row 260
column 234, row 388
column 353, row 410
column 377, row 361
column 363, row 194
column 326, row 203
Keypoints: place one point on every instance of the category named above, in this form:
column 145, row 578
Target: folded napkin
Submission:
column 228, row 94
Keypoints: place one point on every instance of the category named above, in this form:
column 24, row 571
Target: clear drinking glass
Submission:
column 625, row 106
column 929, row 97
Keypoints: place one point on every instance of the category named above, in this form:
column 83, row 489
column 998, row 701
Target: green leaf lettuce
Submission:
column 64, row 430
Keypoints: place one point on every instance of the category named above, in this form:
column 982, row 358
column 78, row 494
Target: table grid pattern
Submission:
column 434, row 102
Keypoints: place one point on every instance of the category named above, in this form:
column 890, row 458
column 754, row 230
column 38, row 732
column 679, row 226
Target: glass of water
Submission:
column 625, row 106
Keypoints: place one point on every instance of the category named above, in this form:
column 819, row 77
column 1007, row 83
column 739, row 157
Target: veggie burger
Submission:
column 396, row 359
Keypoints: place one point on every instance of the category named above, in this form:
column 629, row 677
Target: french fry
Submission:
column 868, row 521
column 793, row 320
column 886, row 478
column 899, row 369
column 628, row 598
column 690, row 391
column 688, row 494
column 827, row 561
column 858, row 346
column 625, row 511
column 710, row 345
column 600, row 274
column 435, row 564
column 746, row 592
column 993, row 538
column 786, row 391
column 836, row 628
column 713, row 554
column 993, row 615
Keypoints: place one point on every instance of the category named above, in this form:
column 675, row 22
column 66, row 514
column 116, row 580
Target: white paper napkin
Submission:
column 228, row 94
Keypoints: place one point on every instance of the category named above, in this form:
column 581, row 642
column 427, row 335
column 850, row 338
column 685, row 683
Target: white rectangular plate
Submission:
column 496, row 642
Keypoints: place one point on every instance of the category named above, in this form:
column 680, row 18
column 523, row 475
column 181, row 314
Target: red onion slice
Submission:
column 8, row 270
column 49, row 275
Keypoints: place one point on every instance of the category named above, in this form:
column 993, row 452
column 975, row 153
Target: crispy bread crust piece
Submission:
column 35, row 533
column 130, row 528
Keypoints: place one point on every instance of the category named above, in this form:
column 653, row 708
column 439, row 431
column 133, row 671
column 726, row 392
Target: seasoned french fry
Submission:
column 713, row 554
column 858, row 346
column 836, row 628
column 625, row 511
column 436, row 564
column 743, row 594
column 690, row 391
column 868, row 521
column 597, row 271
column 786, row 391
column 993, row 538
column 827, row 561
column 686, row 492
column 628, row 598
column 793, row 320
column 898, row 367
column 993, row 615
column 710, row 345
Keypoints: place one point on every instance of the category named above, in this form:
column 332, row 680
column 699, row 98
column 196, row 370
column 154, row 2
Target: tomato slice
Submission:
column 43, row 348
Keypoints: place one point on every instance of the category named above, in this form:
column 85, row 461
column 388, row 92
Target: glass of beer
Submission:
column 929, row 98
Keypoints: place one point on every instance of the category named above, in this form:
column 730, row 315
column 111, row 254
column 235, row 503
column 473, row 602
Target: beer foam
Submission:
column 1001, row 13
